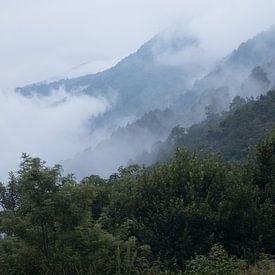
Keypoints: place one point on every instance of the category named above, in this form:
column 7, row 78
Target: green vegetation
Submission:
column 190, row 215
column 198, row 213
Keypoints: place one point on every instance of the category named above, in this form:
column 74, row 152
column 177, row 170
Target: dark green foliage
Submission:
column 49, row 228
column 187, row 205
column 154, row 220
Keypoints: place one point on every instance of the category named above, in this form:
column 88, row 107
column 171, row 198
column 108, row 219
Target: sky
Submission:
column 45, row 39
column 50, row 39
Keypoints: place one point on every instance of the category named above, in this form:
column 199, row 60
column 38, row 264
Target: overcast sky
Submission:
column 44, row 38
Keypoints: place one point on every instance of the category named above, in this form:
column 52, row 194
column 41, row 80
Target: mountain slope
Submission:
column 149, row 80
column 231, row 134
column 143, row 81
column 247, row 71
column 236, row 74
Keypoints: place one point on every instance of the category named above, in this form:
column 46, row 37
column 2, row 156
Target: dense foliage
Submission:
column 190, row 215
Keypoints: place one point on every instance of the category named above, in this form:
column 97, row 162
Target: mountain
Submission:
column 159, row 76
column 247, row 71
column 249, row 74
column 138, row 89
column 148, row 79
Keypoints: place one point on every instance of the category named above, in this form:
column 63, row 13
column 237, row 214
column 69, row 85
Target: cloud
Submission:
column 53, row 128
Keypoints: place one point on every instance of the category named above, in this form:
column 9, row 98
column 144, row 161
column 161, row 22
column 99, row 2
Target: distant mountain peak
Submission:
column 256, row 50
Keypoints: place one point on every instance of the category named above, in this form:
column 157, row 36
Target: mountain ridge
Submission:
column 236, row 74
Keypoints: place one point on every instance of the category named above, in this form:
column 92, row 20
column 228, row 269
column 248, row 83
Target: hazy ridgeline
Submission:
column 169, row 81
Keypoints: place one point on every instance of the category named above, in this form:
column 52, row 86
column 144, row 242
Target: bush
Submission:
column 217, row 262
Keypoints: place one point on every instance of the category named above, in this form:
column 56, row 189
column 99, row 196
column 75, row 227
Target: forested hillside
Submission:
column 232, row 134
column 186, row 216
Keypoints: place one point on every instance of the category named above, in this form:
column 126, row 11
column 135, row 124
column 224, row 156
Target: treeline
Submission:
column 190, row 215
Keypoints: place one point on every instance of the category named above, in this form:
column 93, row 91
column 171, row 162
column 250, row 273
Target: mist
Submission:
column 53, row 127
